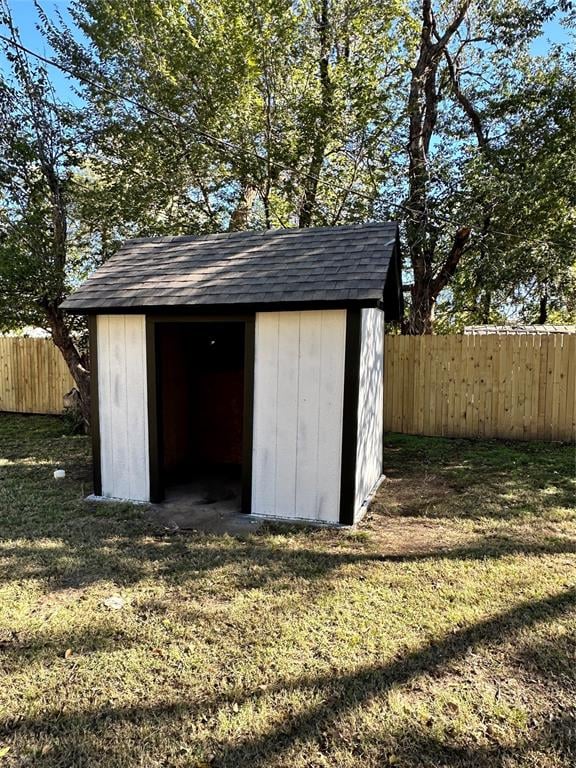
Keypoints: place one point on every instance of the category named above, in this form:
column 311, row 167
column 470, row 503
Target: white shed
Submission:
column 254, row 359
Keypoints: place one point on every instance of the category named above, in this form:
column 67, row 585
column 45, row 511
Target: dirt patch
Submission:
column 405, row 537
column 412, row 495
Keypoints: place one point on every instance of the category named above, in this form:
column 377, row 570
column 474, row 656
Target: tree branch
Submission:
column 453, row 26
column 448, row 269
column 466, row 104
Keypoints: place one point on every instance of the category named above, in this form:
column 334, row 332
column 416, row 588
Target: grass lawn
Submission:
column 441, row 633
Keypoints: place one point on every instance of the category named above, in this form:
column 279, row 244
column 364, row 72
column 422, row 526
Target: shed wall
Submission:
column 298, row 406
column 370, row 406
column 122, row 406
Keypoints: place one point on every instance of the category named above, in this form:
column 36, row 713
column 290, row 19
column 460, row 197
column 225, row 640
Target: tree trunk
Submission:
column 485, row 307
column 423, row 103
column 421, row 312
column 322, row 128
column 73, row 358
column 239, row 217
column 543, row 309
column 425, row 292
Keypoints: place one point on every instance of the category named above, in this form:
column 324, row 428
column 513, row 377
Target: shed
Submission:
column 255, row 358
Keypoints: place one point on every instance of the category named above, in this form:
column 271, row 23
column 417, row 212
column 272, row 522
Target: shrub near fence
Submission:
column 33, row 376
column 516, row 387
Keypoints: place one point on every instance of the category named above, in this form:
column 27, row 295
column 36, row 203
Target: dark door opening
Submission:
column 201, row 411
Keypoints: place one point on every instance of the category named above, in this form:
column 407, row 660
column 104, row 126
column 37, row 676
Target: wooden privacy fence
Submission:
column 33, row 376
column 517, row 387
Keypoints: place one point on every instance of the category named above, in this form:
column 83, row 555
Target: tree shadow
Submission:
column 418, row 747
column 490, row 548
column 334, row 697
column 128, row 557
column 19, row 651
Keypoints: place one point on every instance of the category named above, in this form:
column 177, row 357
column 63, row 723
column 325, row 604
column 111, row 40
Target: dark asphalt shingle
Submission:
column 348, row 263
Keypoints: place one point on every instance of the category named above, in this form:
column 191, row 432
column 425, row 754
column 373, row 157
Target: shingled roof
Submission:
column 319, row 265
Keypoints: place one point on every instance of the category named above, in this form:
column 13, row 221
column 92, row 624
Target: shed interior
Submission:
column 200, row 369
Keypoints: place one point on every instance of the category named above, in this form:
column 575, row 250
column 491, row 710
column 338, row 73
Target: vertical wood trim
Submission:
column 350, row 416
column 451, row 385
column 570, row 426
column 104, row 397
column 154, row 452
column 384, row 380
column 558, row 382
column 248, row 414
column 94, row 406
column 476, row 388
column 548, row 388
column 388, row 384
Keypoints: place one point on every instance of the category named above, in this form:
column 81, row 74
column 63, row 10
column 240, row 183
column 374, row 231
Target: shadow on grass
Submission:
column 127, row 559
column 76, row 735
column 448, row 478
column 18, row 651
column 419, row 747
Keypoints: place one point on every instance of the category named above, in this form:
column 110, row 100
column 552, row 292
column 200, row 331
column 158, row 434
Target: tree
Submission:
column 423, row 103
column 531, row 189
column 462, row 134
column 38, row 153
column 233, row 115
column 242, row 114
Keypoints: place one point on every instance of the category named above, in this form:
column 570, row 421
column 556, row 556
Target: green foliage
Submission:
column 502, row 163
column 526, row 191
column 237, row 85
column 205, row 116
column 40, row 258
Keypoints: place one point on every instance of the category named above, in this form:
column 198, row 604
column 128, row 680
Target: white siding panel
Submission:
column 370, row 405
column 117, row 407
column 331, row 411
column 104, row 398
column 308, row 415
column 137, row 407
column 298, row 398
column 123, row 407
column 287, row 412
column 265, row 407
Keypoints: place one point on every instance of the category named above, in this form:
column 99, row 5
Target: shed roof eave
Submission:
column 229, row 308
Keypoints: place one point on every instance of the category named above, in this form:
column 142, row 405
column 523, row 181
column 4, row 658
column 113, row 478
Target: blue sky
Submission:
column 554, row 33
column 25, row 16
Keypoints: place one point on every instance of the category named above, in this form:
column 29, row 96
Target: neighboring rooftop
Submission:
column 324, row 264
column 511, row 330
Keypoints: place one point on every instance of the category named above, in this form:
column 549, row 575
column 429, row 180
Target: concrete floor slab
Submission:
column 211, row 505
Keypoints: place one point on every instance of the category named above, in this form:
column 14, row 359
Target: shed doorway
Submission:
column 201, row 415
